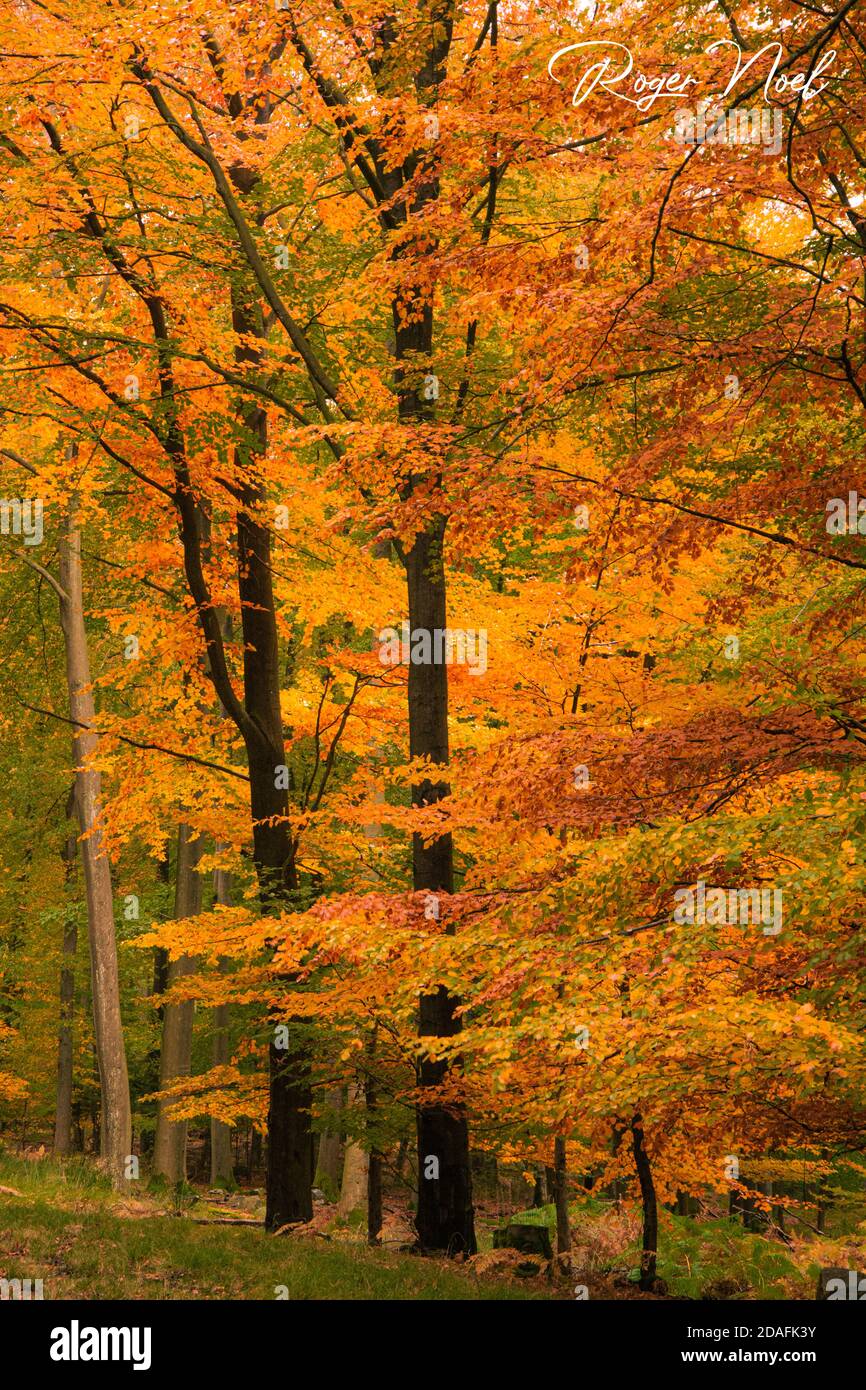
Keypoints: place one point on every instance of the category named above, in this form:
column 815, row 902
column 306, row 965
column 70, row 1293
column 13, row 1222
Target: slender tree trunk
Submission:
column 63, row 1112
column 221, row 1169
column 560, row 1196
column 257, row 718
column 160, row 980
column 374, row 1165
column 558, row 1181
column 353, row 1190
column 539, row 1187
column 445, row 1218
column 765, row 1215
column 648, row 1199
column 445, row 1215
column 160, row 976
column 77, row 1128
column 116, row 1128
column 329, row 1164
column 255, row 1152
column 220, row 1133
column 356, row 1162
column 169, row 1152
column 290, row 1135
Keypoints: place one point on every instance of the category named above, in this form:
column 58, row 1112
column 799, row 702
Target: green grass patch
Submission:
column 65, row 1230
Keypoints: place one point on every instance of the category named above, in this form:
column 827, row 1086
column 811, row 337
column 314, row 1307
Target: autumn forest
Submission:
column 432, row 665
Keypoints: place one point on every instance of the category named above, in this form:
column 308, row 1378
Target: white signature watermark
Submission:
column 647, row 90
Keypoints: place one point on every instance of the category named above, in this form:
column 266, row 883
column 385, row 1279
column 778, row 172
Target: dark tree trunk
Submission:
column 650, row 1210
column 290, row 1135
column 160, row 977
column 445, row 1216
column 160, row 984
column 256, row 717
column 290, row 1146
column 255, row 1152
column 560, row 1196
column 77, row 1129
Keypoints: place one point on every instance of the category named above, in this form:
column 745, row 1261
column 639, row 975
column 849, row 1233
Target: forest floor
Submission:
column 61, row 1223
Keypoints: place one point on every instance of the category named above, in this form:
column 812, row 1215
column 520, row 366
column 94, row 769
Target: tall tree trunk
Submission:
column 169, row 1152
column 445, row 1217
column 560, row 1196
column 63, row 1111
column 160, row 981
column 648, row 1199
column 289, row 1175
column 558, row 1181
column 116, row 1127
column 290, row 1134
column 221, row 1170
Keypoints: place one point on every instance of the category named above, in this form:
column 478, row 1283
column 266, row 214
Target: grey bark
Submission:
column 353, row 1192
column 329, row 1162
column 169, row 1152
column 63, row 1110
column 221, row 1170
column 116, row 1126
